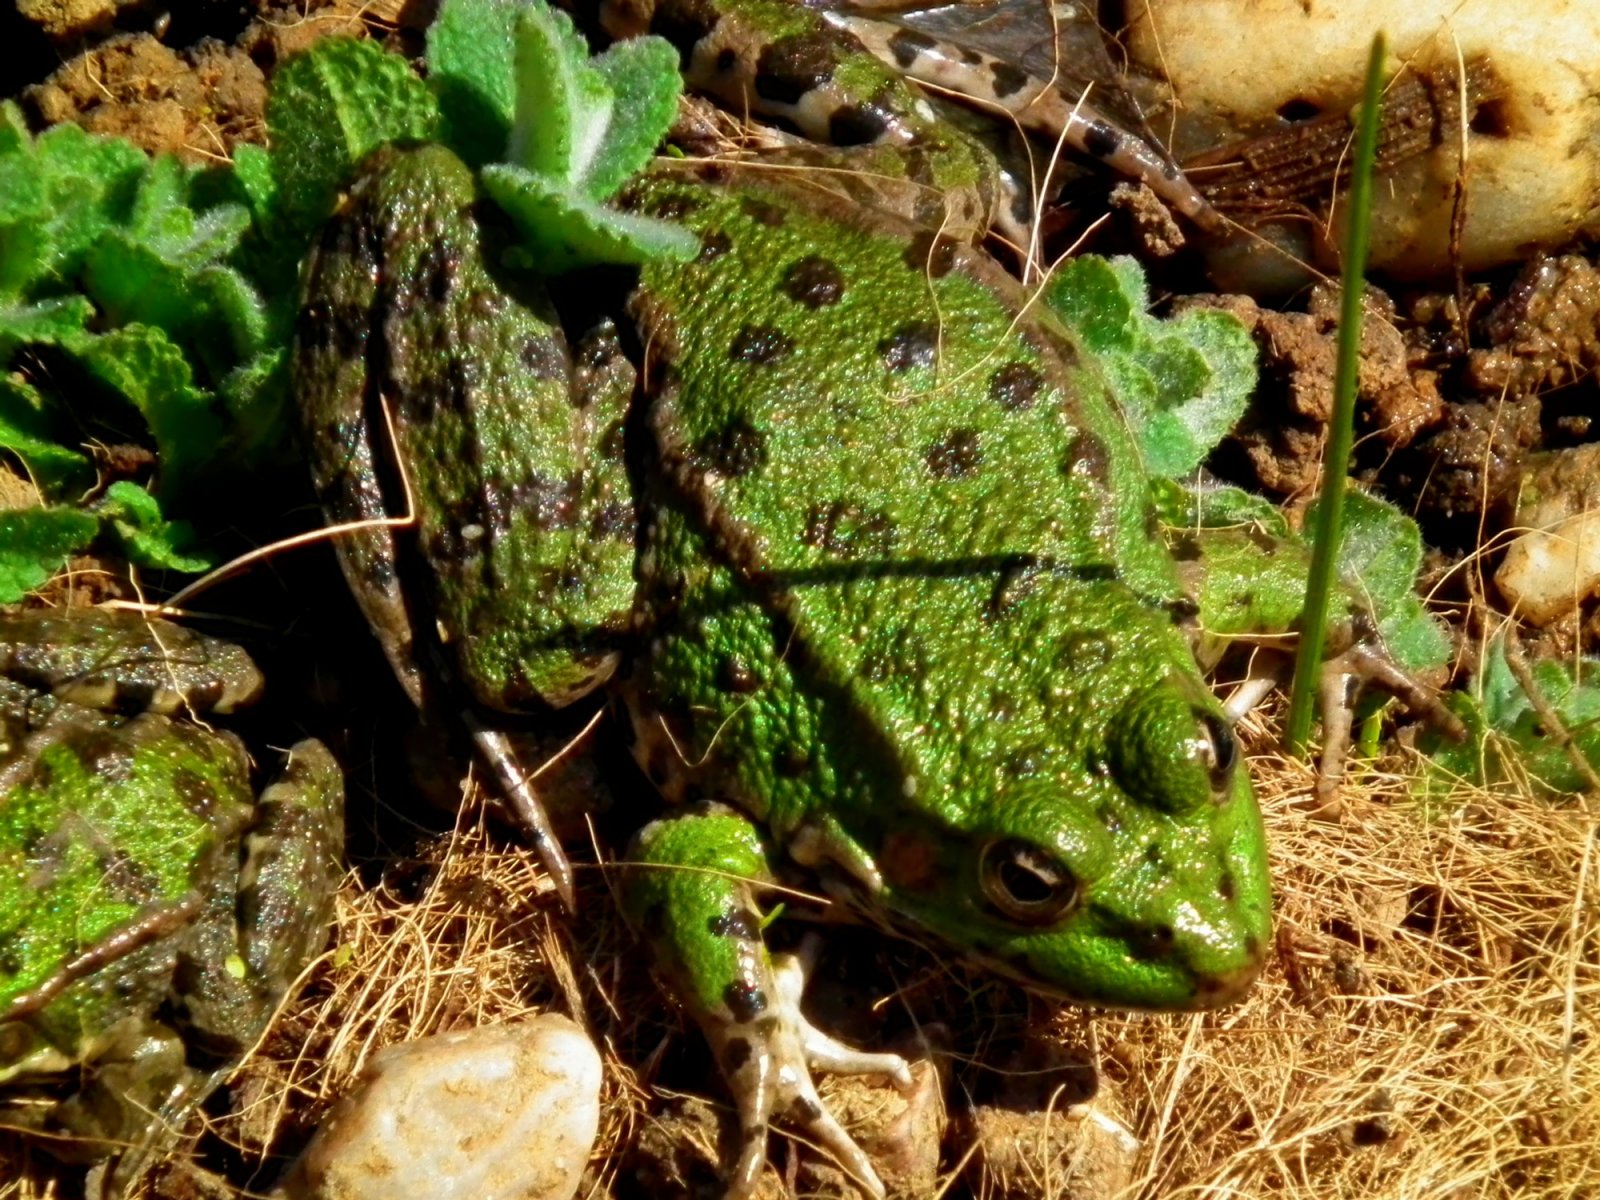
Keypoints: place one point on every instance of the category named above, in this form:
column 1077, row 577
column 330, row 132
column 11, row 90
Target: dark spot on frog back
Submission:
column 791, row 762
column 763, row 212
column 760, row 344
column 1007, row 80
column 736, row 676
column 684, row 23
column 735, row 450
column 673, row 205
column 1101, row 140
column 789, row 67
column 815, row 282
column 907, row 45
column 745, row 1001
column 1015, row 386
column 913, row 345
column 1083, row 651
column 858, row 125
column 544, row 356
column 714, row 243
column 1087, row 458
column 956, row 455
column 735, row 1055
column 932, row 255
column 342, row 329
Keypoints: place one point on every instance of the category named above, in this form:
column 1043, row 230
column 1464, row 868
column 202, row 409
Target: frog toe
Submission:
column 1342, row 677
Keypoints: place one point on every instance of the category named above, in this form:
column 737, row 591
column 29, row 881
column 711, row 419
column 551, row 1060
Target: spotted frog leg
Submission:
column 1248, row 586
column 691, row 887
column 1036, row 104
column 841, row 79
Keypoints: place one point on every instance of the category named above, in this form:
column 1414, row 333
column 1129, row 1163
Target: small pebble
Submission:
column 503, row 1112
column 1552, row 567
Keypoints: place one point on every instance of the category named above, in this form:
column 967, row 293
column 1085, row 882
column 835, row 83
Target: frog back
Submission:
column 903, row 604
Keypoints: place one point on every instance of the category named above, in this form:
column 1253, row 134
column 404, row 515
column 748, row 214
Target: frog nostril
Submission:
column 1156, row 942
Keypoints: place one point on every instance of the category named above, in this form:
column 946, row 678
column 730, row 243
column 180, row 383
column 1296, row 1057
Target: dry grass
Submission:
column 1427, row 1027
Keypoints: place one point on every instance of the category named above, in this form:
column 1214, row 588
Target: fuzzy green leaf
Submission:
column 29, row 428
column 35, row 543
column 1381, row 552
column 643, row 76
column 560, row 231
column 146, row 537
column 472, row 70
column 148, row 369
column 58, row 194
column 1183, row 383
column 48, row 322
column 563, row 105
column 1507, row 737
column 329, row 107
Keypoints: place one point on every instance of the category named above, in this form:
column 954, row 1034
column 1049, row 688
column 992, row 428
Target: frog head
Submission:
column 1101, row 841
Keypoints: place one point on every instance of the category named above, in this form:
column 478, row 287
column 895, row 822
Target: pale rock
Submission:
column 1533, row 177
column 502, row 1112
column 1555, row 564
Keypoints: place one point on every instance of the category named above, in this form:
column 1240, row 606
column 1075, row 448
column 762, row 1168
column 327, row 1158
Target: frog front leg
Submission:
column 475, row 469
column 1248, row 584
column 691, row 889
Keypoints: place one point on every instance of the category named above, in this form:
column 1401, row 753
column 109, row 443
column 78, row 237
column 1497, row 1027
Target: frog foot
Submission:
column 1340, row 680
column 516, row 786
column 768, row 1064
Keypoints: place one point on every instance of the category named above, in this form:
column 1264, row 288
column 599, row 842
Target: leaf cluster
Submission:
column 122, row 322
column 147, row 303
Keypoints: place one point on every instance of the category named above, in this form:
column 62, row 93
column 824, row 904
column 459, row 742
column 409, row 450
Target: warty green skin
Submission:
column 900, row 601
column 152, row 911
column 890, row 601
column 900, row 611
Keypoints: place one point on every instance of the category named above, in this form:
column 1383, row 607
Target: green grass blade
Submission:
column 1336, row 463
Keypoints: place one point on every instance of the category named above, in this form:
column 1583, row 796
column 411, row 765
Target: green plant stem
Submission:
column 1336, row 461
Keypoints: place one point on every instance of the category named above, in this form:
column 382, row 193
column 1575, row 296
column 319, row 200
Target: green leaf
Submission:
column 30, row 430
column 563, row 105
column 560, row 231
column 148, row 539
column 1381, row 552
column 329, row 107
column 472, row 69
column 35, row 543
column 49, row 322
column 1507, row 738
column 643, row 76
column 1183, row 384
column 142, row 364
column 1216, row 506
column 86, row 184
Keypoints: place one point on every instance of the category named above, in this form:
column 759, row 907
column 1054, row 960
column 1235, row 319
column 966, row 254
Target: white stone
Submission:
column 1552, row 567
column 1534, row 183
column 502, row 1112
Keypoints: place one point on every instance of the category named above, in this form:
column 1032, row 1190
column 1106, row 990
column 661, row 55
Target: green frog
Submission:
column 850, row 524
column 153, row 910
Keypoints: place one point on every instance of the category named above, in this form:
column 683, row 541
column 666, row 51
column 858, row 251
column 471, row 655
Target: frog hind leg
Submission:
column 1037, row 104
column 691, row 890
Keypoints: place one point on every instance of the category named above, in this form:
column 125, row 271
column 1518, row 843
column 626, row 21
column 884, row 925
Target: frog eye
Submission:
column 1218, row 751
column 1171, row 748
column 1025, row 883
